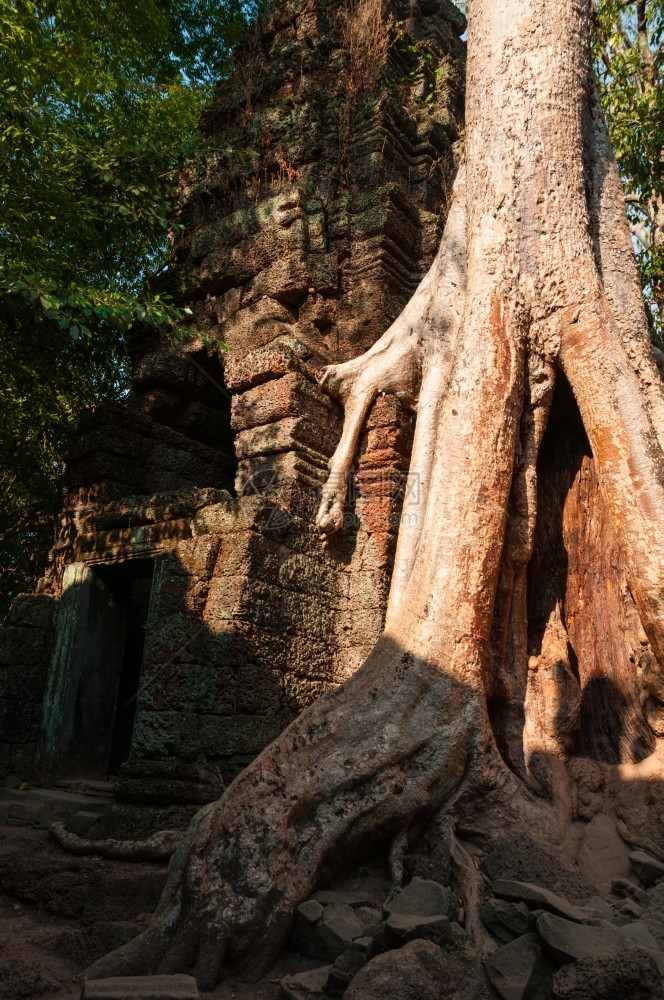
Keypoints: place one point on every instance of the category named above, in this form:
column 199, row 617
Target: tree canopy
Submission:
column 98, row 109
column 99, row 106
column 629, row 59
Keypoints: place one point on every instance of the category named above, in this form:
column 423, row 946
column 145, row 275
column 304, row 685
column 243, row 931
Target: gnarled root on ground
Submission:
column 158, row 847
column 391, row 745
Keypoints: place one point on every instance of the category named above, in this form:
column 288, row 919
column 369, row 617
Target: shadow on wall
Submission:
column 174, row 672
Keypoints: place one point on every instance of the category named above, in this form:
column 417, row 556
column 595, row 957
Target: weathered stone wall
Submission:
column 324, row 205
column 25, row 645
column 297, row 241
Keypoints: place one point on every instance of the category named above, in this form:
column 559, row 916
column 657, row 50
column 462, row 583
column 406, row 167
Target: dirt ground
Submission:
column 58, row 913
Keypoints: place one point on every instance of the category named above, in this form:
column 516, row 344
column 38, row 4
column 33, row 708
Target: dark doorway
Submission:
column 95, row 673
column 131, row 585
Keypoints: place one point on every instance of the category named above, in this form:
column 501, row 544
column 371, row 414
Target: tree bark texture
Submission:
column 510, row 637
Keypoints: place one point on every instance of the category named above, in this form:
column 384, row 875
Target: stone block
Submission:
column 307, row 573
column 306, row 985
column 245, row 371
column 423, row 898
column 232, row 515
column 290, row 434
column 400, row 928
column 566, row 941
column 196, row 557
column 141, row 988
column 290, row 483
column 248, row 553
column 535, row 896
column 415, row 972
column 518, row 970
column 397, row 439
column 505, row 920
column 387, row 411
column 200, row 682
column 293, row 395
column 24, row 646
column 32, row 611
column 20, row 719
column 648, row 869
column 632, row 974
column 603, row 855
column 304, row 934
column 299, row 692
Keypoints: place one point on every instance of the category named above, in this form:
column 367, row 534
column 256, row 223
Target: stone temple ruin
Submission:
column 189, row 609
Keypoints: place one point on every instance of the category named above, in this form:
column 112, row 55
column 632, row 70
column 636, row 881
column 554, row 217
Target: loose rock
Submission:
column 352, row 897
column 632, row 909
column 623, row 887
column 518, row 970
column 569, row 942
column 600, row 908
column 422, row 897
column 349, row 964
column 505, row 920
column 604, row 855
column 535, row 896
column 630, row 974
column 649, row 869
column 418, row 971
column 400, row 928
column 639, row 934
column 308, row 985
column 325, row 932
column 653, row 917
column 336, row 931
column 304, row 934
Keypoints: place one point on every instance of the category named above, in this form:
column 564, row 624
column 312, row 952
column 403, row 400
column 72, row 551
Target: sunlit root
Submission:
column 344, row 775
column 423, row 335
column 627, row 451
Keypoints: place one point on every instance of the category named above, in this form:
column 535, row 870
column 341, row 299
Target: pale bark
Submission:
column 535, row 276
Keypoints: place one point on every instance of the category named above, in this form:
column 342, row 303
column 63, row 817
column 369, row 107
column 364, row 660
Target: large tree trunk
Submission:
column 534, row 283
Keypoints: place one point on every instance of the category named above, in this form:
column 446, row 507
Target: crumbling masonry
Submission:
column 190, row 610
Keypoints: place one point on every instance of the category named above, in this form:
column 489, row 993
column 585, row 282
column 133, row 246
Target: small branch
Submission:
column 28, row 523
column 642, row 32
column 641, row 233
column 474, row 893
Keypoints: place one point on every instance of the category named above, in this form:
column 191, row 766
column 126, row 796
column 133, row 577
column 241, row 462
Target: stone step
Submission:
column 91, row 787
column 141, row 988
column 41, row 806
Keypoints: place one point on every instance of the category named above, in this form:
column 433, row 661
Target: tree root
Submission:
column 344, row 775
column 638, row 842
column 410, row 731
column 473, row 893
column 424, row 334
column 158, row 847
